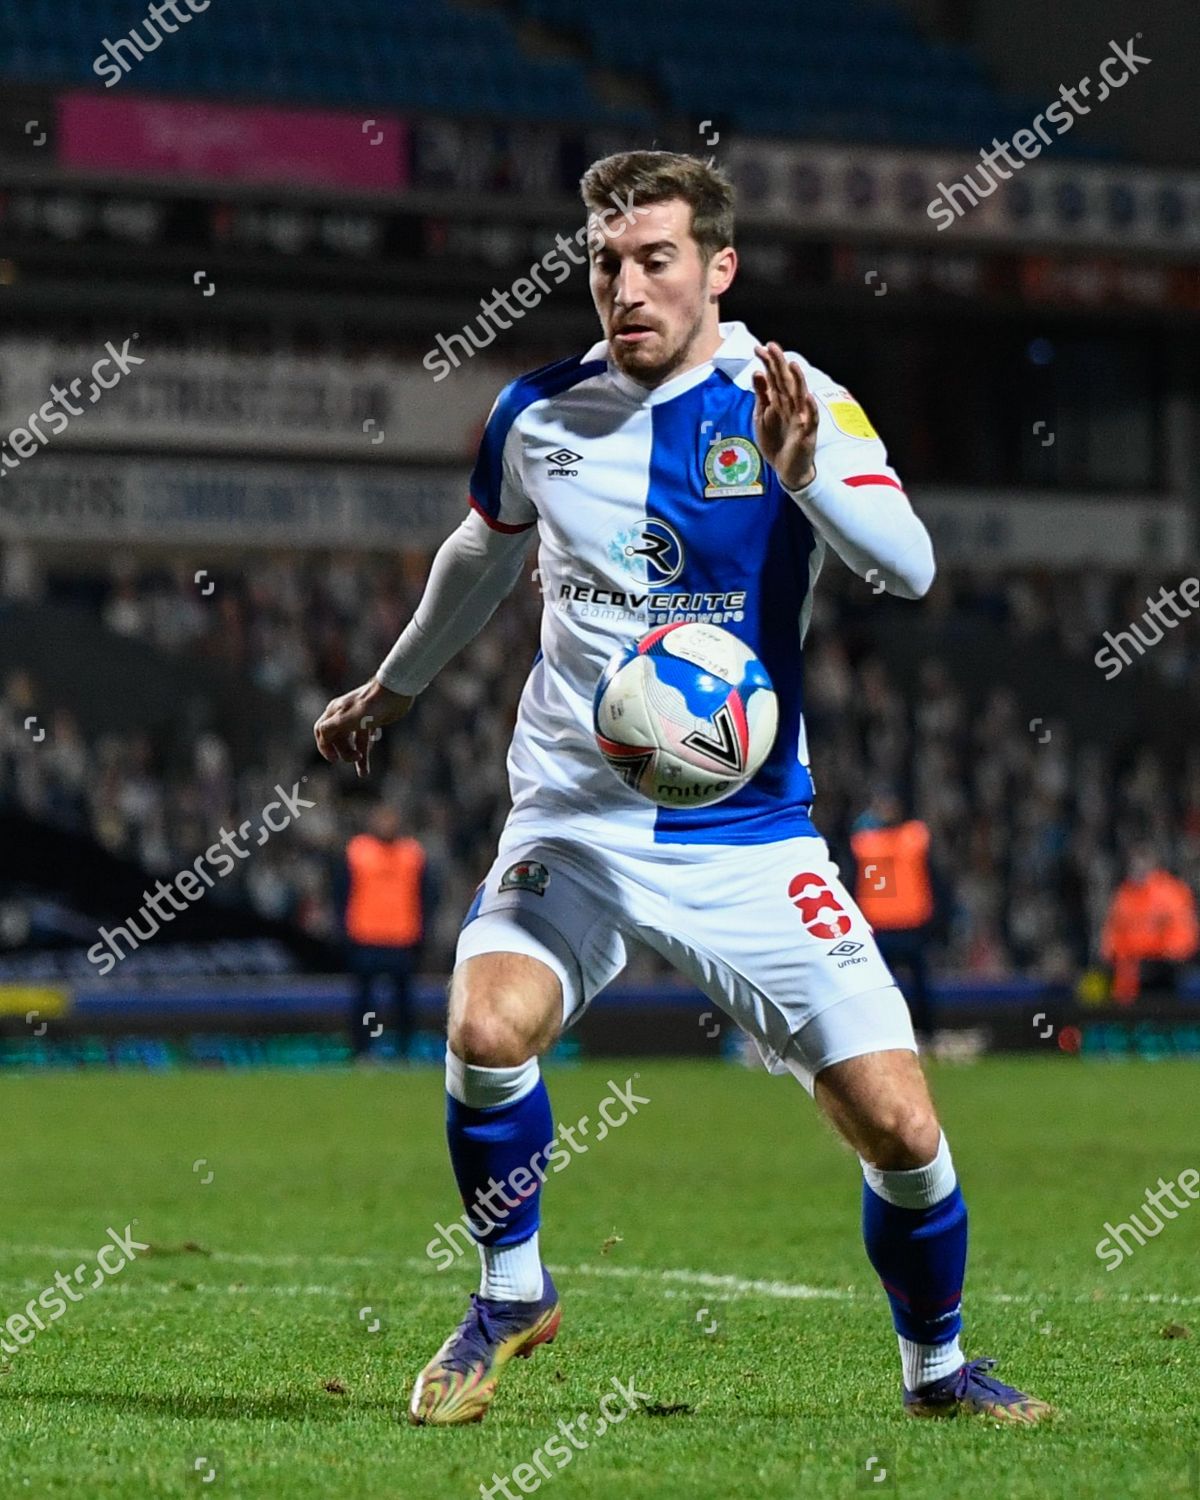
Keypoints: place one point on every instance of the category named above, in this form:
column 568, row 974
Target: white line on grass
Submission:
column 668, row 1278
column 174, row 1252
column 732, row 1286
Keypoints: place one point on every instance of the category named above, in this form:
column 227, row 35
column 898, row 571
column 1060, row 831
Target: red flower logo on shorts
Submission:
column 821, row 912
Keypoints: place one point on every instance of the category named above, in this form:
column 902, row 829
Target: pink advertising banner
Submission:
column 232, row 142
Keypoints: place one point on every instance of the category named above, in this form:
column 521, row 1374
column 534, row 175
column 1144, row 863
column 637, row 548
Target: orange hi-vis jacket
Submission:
column 384, row 909
column 894, row 890
column 1152, row 919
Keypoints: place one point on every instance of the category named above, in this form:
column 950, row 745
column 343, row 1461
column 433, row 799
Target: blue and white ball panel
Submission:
column 659, row 748
column 674, row 724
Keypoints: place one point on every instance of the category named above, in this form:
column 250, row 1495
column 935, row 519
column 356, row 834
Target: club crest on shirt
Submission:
column 526, row 875
column 732, row 466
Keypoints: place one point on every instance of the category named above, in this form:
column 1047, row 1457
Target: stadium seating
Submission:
column 416, row 54
column 856, row 71
column 859, row 71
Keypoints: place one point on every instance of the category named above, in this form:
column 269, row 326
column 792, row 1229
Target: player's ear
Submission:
column 722, row 268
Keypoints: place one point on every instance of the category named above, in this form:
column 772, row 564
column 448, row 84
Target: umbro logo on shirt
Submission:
column 563, row 458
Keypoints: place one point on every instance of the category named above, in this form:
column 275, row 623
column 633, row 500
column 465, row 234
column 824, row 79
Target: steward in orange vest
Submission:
column 384, row 908
column 894, row 891
column 387, row 887
column 1150, row 931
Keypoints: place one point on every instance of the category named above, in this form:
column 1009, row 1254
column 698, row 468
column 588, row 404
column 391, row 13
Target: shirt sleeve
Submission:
column 857, row 503
column 475, row 568
column 496, row 489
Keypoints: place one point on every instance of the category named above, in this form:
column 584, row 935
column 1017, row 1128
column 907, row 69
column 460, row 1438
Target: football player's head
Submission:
column 660, row 250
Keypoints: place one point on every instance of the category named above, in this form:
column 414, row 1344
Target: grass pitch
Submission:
column 709, row 1253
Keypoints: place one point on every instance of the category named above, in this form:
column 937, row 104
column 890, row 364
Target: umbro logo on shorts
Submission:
column 845, row 953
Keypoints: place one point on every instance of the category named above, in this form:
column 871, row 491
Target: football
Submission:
column 686, row 716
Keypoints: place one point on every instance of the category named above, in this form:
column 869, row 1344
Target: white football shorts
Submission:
column 766, row 931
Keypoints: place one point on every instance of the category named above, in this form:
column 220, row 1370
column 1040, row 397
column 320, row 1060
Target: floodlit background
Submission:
column 245, row 247
column 293, row 222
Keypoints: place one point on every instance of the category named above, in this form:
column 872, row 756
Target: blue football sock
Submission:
column 915, row 1230
column 498, row 1149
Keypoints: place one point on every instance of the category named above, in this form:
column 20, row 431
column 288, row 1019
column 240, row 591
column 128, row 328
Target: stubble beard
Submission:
column 654, row 375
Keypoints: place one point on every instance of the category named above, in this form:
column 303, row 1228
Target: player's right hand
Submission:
column 349, row 724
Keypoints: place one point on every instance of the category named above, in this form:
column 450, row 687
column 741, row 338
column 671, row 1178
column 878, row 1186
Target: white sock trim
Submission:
column 925, row 1363
column 511, row 1273
column 489, row 1088
column 920, row 1187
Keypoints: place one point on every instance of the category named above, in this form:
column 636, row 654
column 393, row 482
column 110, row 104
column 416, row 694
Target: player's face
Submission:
column 656, row 297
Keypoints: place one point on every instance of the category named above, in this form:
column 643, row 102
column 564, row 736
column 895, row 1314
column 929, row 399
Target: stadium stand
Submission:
column 1029, row 834
column 422, row 54
column 858, row 71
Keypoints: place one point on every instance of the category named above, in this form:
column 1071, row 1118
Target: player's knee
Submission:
column 904, row 1134
column 488, row 1038
column 500, row 1019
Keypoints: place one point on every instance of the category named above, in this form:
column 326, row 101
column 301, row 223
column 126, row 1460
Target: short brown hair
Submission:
column 641, row 177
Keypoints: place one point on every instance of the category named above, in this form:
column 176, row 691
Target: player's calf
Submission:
column 914, row 1218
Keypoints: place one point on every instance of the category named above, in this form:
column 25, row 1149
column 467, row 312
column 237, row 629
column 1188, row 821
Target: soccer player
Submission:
column 677, row 470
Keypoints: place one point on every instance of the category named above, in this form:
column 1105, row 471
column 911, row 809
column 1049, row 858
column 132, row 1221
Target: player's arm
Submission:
column 838, row 474
column 476, row 566
column 474, row 569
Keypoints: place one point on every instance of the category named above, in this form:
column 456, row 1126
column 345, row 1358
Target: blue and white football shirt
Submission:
column 655, row 506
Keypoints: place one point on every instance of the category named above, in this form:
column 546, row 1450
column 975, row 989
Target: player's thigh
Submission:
column 542, row 937
column 771, row 934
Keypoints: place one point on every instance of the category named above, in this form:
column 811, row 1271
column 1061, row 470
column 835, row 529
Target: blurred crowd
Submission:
column 1029, row 835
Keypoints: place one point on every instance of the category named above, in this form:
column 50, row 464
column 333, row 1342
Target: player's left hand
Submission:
column 350, row 723
column 785, row 418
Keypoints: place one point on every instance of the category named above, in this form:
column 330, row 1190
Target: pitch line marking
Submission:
column 666, row 1277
